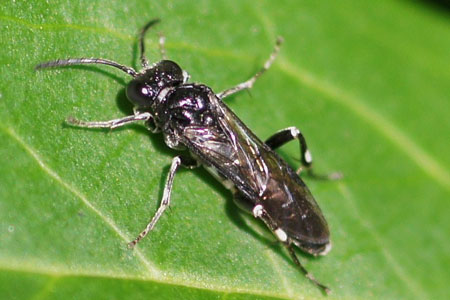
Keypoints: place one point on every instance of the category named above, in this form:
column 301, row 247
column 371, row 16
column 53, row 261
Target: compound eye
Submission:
column 140, row 94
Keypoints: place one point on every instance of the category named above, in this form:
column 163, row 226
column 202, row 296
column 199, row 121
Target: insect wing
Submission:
column 231, row 149
column 259, row 173
column 292, row 207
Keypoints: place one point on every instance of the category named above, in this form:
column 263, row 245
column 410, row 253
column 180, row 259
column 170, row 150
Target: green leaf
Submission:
column 367, row 82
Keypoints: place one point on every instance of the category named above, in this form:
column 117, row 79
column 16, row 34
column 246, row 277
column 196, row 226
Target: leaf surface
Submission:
column 366, row 82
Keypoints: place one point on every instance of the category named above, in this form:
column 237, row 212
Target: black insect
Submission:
column 191, row 116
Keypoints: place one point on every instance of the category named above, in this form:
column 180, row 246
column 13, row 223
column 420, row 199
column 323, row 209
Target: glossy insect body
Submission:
column 263, row 183
column 193, row 117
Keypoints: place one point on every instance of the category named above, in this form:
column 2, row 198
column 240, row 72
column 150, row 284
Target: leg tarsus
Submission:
column 249, row 83
column 259, row 212
column 308, row 275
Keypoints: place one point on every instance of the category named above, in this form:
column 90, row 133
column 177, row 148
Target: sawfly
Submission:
column 192, row 117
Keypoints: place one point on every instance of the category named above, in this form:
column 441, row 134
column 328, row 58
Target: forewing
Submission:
column 228, row 146
column 292, row 207
column 238, row 155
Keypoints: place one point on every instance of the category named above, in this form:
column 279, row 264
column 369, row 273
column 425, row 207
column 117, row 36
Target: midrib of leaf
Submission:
column 58, row 273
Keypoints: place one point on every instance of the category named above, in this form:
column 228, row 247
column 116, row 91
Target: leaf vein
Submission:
column 23, row 267
column 46, row 289
column 385, row 127
column 153, row 271
column 413, row 285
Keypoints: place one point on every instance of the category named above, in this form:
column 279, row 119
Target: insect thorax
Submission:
column 184, row 106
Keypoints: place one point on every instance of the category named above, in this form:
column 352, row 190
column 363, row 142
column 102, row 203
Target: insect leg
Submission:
column 144, row 61
column 259, row 212
column 288, row 134
column 111, row 123
column 165, row 202
column 249, row 83
column 304, row 271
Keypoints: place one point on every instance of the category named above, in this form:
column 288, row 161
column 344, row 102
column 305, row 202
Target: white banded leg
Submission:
column 259, row 212
column 249, row 83
column 288, row 134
